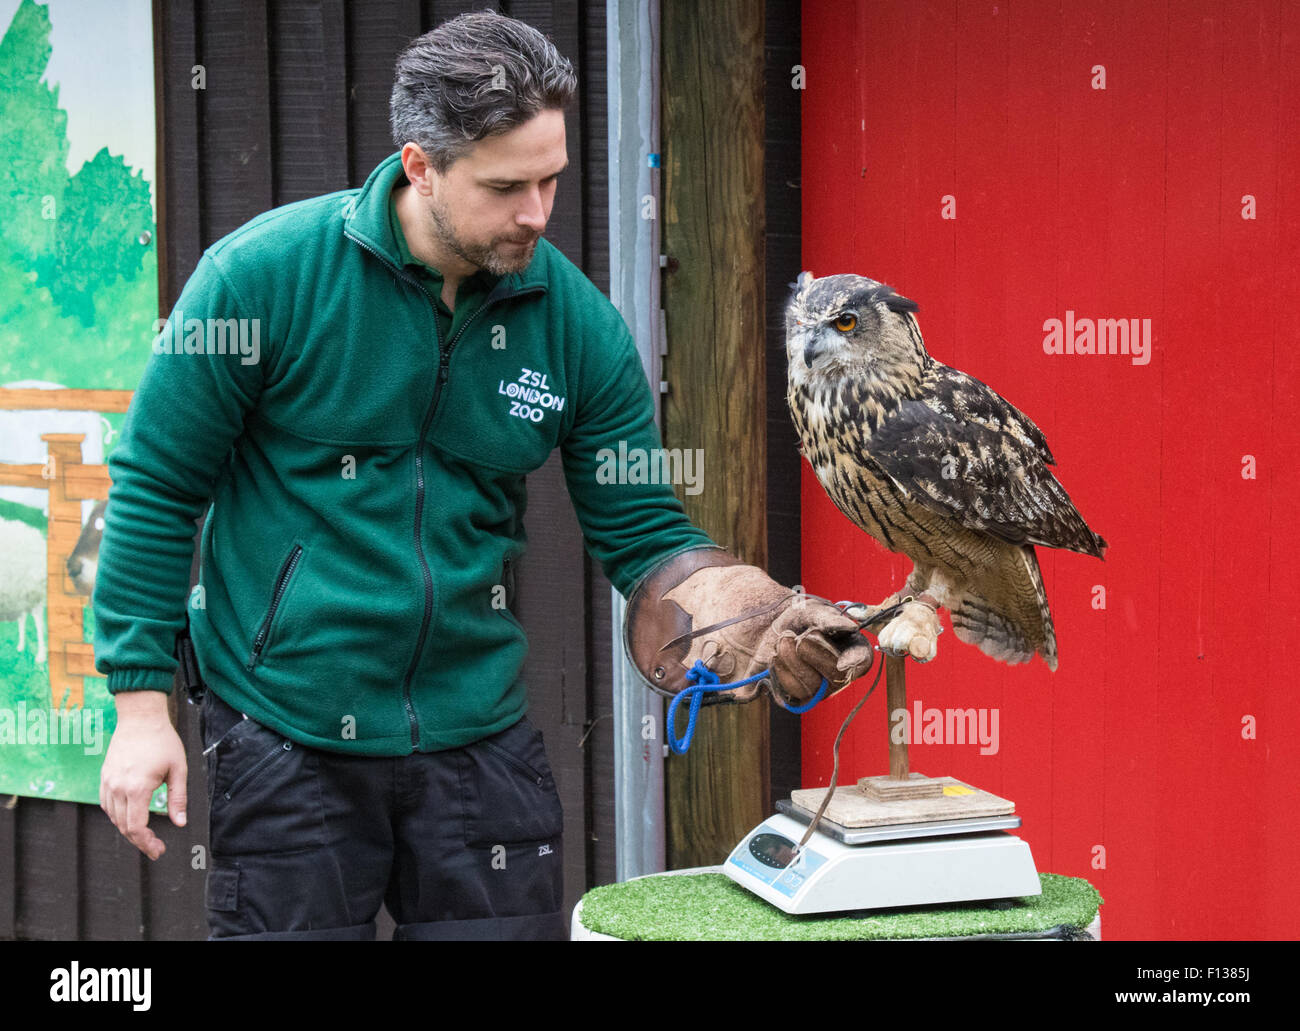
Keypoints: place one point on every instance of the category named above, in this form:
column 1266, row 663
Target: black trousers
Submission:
column 306, row 844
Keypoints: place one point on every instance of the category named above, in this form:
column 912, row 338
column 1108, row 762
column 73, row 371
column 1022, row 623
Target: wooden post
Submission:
column 901, row 785
column 713, row 233
column 895, row 699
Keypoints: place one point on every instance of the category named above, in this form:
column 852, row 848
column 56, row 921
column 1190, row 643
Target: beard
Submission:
column 498, row 256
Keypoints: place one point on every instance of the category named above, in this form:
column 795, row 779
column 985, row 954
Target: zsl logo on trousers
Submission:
column 533, row 395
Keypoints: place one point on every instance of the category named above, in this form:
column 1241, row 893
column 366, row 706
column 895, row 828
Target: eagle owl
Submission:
column 930, row 462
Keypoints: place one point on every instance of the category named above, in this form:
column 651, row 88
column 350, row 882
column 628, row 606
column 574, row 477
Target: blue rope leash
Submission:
column 799, row 710
column 703, row 680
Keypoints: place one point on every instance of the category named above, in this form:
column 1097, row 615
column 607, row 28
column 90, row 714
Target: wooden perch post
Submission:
column 901, row 783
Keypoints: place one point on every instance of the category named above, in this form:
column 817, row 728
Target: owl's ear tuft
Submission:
column 798, row 286
column 898, row 303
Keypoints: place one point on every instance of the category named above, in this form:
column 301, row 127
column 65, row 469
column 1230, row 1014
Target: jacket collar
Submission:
column 366, row 221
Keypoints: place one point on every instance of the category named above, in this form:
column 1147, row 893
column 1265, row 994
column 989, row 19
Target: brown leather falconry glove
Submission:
column 706, row 604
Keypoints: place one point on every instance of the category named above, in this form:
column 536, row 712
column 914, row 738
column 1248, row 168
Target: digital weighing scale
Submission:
column 914, row 864
column 901, row 840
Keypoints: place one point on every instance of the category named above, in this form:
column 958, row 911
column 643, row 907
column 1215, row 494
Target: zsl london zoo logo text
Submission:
column 530, row 395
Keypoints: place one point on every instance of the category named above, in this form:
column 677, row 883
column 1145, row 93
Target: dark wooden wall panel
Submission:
column 179, row 180
column 376, row 33
column 549, row 602
column 112, row 885
column 46, row 845
column 592, row 109
column 238, row 112
column 310, row 124
column 781, row 173
column 8, row 868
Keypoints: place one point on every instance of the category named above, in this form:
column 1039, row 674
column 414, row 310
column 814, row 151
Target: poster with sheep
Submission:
column 78, row 299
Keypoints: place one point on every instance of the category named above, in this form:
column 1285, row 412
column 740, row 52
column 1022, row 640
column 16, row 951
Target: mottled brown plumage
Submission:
column 930, row 462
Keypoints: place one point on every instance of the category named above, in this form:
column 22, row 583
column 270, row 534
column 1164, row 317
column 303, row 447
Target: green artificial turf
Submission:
column 711, row 907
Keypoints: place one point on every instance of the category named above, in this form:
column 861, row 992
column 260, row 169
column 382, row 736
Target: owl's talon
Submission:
column 858, row 612
column 914, row 632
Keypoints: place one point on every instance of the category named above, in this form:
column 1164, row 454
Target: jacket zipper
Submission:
column 444, row 362
column 281, row 585
column 444, row 359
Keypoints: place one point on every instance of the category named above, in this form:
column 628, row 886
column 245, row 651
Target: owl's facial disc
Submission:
column 819, row 317
column 826, row 334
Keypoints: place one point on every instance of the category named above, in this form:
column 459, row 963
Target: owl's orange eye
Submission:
column 846, row 322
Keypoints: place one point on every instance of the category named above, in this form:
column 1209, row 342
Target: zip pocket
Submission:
column 517, row 763
column 505, row 608
column 281, row 585
column 508, row 582
column 511, row 795
column 279, row 752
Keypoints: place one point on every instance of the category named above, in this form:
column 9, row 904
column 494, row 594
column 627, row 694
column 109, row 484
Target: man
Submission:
column 417, row 348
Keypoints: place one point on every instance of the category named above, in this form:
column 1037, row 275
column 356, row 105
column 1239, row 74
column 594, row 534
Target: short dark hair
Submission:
column 474, row 76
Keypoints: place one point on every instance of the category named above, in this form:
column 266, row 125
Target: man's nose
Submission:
column 533, row 213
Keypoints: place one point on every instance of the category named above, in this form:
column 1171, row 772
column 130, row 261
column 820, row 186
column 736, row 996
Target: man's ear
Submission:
column 419, row 170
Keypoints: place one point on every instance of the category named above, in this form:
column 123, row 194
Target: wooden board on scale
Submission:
column 850, row 807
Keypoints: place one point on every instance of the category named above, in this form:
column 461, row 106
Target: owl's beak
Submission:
column 810, row 350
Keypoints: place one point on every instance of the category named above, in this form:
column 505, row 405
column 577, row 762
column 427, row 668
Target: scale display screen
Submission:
column 774, row 850
column 769, row 858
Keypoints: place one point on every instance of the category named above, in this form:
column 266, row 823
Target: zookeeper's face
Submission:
column 493, row 203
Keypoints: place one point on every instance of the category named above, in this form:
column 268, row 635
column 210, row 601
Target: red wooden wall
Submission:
column 1123, row 202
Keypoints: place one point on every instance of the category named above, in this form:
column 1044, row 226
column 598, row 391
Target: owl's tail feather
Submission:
column 1016, row 628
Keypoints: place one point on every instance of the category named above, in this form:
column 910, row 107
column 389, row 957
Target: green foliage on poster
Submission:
column 78, row 264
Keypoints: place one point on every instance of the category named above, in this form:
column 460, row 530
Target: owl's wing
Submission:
column 961, row 396
column 966, row 453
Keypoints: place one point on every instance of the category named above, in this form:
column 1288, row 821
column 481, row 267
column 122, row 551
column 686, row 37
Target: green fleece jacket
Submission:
column 366, row 480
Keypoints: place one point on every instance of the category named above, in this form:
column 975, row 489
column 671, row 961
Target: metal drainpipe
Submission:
column 632, row 54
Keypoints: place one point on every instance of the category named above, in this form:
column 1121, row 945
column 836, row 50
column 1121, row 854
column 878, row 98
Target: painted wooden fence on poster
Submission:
column 69, row 482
